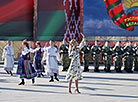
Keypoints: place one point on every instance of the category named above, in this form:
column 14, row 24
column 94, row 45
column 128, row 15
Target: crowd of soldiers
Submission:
column 119, row 55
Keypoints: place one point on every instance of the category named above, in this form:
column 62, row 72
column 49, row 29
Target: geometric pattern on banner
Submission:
column 72, row 13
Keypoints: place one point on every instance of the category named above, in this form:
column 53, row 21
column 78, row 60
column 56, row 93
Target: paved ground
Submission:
column 95, row 87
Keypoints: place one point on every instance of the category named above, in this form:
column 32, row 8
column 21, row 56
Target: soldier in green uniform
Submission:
column 107, row 55
column 64, row 54
column 96, row 50
column 129, row 52
column 86, row 53
column 118, row 55
column 136, row 58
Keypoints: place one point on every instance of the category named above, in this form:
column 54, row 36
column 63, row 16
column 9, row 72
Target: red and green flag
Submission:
column 50, row 19
column 16, row 19
column 39, row 19
column 117, row 14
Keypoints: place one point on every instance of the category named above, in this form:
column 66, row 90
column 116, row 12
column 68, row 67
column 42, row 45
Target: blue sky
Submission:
column 98, row 23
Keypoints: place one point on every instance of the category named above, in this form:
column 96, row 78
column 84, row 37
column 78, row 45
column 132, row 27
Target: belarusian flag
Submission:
column 16, row 19
column 117, row 14
column 50, row 19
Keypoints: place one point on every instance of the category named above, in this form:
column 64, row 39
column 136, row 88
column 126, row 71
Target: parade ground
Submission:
column 95, row 87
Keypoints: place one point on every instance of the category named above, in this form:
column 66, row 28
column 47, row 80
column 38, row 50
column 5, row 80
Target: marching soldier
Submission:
column 107, row 55
column 129, row 52
column 86, row 51
column 136, row 58
column 118, row 54
column 64, row 53
column 96, row 50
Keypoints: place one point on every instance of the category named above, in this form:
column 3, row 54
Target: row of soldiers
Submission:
column 121, row 55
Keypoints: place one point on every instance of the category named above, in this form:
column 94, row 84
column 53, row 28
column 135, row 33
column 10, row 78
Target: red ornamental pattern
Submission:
column 72, row 12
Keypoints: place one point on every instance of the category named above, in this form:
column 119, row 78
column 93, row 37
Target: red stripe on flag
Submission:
column 117, row 10
column 109, row 2
column 130, row 28
column 121, row 20
column 117, row 23
column 16, row 10
column 50, row 5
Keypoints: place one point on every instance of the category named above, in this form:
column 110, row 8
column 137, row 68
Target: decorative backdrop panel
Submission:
column 72, row 11
column 58, row 19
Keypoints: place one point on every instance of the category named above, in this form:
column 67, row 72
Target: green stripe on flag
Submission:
column 118, row 15
column 51, row 25
column 16, row 30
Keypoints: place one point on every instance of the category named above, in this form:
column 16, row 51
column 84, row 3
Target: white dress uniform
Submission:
column 8, row 56
column 51, row 55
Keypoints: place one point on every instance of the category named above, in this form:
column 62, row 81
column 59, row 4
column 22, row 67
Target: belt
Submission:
column 9, row 55
column 51, row 56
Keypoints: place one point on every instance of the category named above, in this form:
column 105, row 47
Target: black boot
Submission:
column 11, row 73
column 105, row 69
column 63, row 70
column 136, row 69
column 86, row 69
column 39, row 75
column 130, row 71
column 108, row 69
column 55, row 74
column 96, row 70
column 22, row 83
column 51, row 80
column 33, row 81
column 118, row 70
column 42, row 75
column 7, row 72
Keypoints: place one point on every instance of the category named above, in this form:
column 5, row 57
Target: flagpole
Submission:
column 35, row 21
